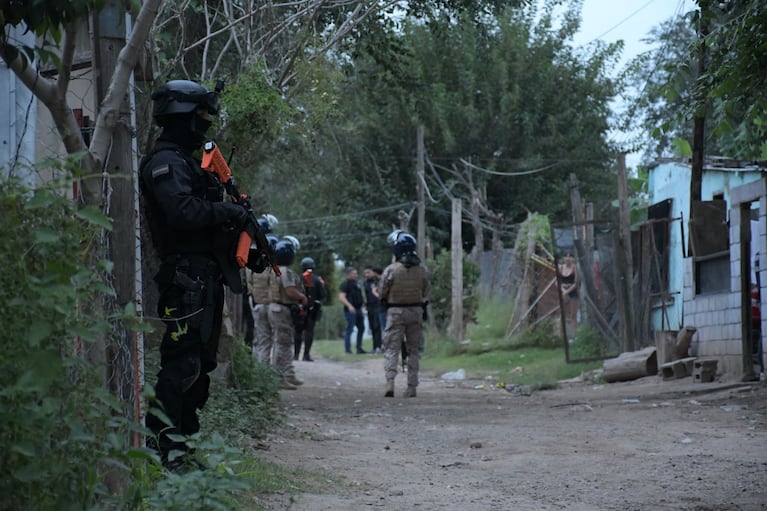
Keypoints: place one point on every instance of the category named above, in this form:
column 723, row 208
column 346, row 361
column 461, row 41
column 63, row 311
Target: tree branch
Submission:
column 126, row 61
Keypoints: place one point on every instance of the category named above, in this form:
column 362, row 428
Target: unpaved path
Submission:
column 643, row 445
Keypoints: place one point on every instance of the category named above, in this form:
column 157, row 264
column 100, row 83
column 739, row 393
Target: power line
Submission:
column 621, row 22
column 509, row 174
column 346, row 215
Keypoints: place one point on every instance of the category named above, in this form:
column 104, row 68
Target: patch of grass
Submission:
column 267, row 477
column 539, row 367
column 334, row 350
column 492, row 320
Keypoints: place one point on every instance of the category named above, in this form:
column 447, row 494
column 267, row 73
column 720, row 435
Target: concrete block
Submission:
column 704, row 370
column 675, row 370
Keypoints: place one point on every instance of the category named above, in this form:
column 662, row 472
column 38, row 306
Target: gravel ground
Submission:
column 467, row 445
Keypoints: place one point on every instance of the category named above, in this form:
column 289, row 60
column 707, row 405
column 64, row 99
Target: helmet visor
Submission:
column 209, row 100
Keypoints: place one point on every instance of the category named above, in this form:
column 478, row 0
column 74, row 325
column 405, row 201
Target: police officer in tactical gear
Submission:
column 264, row 289
column 266, row 223
column 290, row 301
column 194, row 230
column 314, row 289
column 404, row 289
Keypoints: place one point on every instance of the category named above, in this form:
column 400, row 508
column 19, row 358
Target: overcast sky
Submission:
column 631, row 21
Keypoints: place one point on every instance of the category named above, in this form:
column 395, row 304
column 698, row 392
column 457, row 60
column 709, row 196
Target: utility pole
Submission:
column 625, row 259
column 421, row 238
column 699, row 122
column 109, row 35
column 456, row 252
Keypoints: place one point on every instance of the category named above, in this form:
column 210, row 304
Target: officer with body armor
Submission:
column 264, row 289
column 404, row 290
column 314, row 289
column 195, row 231
column 266, row 223
column 274, row 300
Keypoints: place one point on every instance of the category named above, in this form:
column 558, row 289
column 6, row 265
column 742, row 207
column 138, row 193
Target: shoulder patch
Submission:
column 160, row 171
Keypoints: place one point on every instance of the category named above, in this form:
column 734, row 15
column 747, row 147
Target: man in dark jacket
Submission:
column 373, row 306
column 350, row 295
column 194, row 230
column 314, row 289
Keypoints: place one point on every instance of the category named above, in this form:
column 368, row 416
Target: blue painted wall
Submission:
column 671, row 180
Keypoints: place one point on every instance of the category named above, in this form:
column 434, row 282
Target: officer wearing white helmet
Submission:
column 404, row 289
column 273, row 343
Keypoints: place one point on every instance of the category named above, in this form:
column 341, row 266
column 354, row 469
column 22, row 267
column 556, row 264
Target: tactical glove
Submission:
column 235, row 213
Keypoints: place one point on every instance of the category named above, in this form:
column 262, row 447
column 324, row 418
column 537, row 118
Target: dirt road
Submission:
column 643, row 445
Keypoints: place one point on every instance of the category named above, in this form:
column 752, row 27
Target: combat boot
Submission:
column 410, row 392
column 293, row 380
column 389, row 388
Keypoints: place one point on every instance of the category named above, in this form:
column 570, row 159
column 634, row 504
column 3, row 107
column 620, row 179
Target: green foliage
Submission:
column 502, row 87
column 332, row 323
column 249, row 408
column 730, row 91
column 587, row 344
column 734, row 80
column 441, row 271
column 59, row 424
column 45, row 18
column 214, row 488
column 538, row 367
column 492, row 319
column 254, row 107
column 64, row 435
column 540, row 228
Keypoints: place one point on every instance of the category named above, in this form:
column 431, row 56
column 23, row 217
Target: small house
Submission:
column 703, row 271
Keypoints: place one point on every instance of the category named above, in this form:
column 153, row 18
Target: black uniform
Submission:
column 192, row 228
column 314, row 289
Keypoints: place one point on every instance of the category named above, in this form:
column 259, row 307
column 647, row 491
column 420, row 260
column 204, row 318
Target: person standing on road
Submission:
column 373, row 306
column 314, row 289
column 404, row 289
column 351, row 296
column 266, row 222
column 290, row 299
column 264, row 289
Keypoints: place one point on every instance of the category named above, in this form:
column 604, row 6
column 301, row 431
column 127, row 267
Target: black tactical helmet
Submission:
column 272, row 240
column 284, row 253
column 183, row 97
column 307, row 263
column 267, row 222
column 404, row 243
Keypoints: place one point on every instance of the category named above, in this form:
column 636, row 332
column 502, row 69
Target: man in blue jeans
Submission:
column 351, row 296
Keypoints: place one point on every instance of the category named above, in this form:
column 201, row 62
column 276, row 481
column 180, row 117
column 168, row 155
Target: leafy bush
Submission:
column 65, row 441
column 60, row 425
column 587, row 344
column 251, row 407
column 492, row 319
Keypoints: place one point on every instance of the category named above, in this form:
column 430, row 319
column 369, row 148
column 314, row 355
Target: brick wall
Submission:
column 718, row 316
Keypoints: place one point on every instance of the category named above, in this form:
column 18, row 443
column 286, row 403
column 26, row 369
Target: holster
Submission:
column 193, row 299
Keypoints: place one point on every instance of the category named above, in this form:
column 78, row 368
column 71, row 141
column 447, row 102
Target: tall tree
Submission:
column 506, row 94
column 666, row 82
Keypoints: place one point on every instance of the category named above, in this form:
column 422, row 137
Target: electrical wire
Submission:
column 621, row 22
column 509, row 174
column 345, row 215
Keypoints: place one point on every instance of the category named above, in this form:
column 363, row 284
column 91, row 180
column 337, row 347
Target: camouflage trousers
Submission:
column 273, row 337
column 403, row 323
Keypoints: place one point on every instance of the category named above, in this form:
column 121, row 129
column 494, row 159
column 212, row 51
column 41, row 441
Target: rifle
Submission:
column 213, row 161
